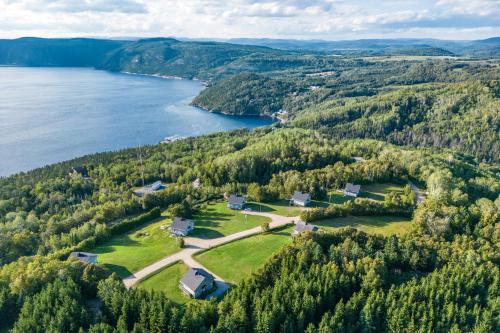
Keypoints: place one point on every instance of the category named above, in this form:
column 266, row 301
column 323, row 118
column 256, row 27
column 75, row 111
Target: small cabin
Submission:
column 301, row 199
column 85, row 257
column 352, row 190
column 236, row 201
column 197, row 282
column 301, row 227
column 181, row 226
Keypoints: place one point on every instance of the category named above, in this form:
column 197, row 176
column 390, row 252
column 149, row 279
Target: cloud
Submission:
column 70, row 6
column 327, row 19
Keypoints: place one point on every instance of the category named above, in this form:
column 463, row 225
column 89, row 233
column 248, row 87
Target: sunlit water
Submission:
column 53, row 114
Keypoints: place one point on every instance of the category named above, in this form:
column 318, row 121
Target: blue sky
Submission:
column 307, row 19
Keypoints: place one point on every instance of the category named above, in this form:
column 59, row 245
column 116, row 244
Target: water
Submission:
column 54, row 114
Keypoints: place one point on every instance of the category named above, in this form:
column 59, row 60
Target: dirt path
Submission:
column 194, row 245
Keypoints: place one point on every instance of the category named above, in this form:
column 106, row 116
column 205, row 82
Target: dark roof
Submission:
column 194, row 277
column 303, row 226
column 181, row 223
column 299, row 196
column 79, row 169
column 236, row 199
column 82, row 254
column 352, row 188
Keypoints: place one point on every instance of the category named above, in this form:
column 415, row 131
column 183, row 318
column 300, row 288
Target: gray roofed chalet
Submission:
column 196, row 282
column 85, row 257
column 301, row 227
column 301, row 199
column 352, row 190
column 236, row 201
column 181, row 226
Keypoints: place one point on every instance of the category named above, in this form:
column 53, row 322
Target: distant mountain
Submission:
column 75, row 52
column 168, row 56
column 430, row 47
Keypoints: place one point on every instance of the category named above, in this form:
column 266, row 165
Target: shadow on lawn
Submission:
column 205, row 233
column 122, row 271
column 108, row 246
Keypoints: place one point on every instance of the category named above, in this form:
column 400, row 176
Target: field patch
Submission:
column 167, row 280
column 129, row 252
column 237, row 260
column 382, row 225
column 216, row 220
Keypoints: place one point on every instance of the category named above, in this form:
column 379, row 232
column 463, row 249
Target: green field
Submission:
column 129, row 252
column 383, row 225
column 167, row 280
column 281, row 207
column 379, row 191
column 237, row 260
column 218, row 221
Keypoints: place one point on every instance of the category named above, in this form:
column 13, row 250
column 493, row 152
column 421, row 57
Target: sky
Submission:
column 287, row 19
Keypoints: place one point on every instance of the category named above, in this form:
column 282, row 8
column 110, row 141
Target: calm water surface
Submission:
column 54, row 114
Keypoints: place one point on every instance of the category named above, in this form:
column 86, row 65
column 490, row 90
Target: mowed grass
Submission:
column 237, row 260
column 379, row 191
column 382, row 225
column 281, row 207
column 216, row 220
column 167, row 280
column 129, row 252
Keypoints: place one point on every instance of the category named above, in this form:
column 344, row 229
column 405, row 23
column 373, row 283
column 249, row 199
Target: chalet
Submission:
column 156, row 186
column 197, row 282
column 301, row 227
column 301, row 199
column 352, row 190
column 79, row 170
column 196, row 183
column 236, row 201
column 85, row 257
column 181, row 226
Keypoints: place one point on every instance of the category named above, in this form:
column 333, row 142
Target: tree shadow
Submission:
column 107, row 247
column 205, row 233
column 260, row 207
column 122, row 271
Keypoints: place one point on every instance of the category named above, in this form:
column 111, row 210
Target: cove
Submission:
column 48, row 115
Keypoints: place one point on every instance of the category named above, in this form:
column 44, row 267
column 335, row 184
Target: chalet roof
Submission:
column 303, row 226
column 299, row 196
column 83, row 256
column 235, row 199
column 352, row 188
column 194, row 278
column 80, row 170
column 180, row 223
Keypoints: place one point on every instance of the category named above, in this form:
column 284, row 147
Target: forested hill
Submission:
column 76, row 52
column 319, row 89
column 464, row 116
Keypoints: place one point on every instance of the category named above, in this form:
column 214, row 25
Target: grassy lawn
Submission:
column 379, row 191
column 217, row 221
column 167, row 280
column 281, row 207
column 237, row 260
column 383, row 225
column 333, row 197
column 129, row 252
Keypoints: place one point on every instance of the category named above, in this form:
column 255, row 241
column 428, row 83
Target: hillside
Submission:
column 77, row 52
column 463, row 116
column 246, row 95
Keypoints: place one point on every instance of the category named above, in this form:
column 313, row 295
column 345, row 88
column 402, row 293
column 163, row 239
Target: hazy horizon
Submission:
column 286, row 19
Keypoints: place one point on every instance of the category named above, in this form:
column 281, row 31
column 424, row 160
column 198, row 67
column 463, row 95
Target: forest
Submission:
column 433, row 122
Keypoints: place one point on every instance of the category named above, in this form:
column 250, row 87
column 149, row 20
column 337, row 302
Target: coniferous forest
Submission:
column 430, row 121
